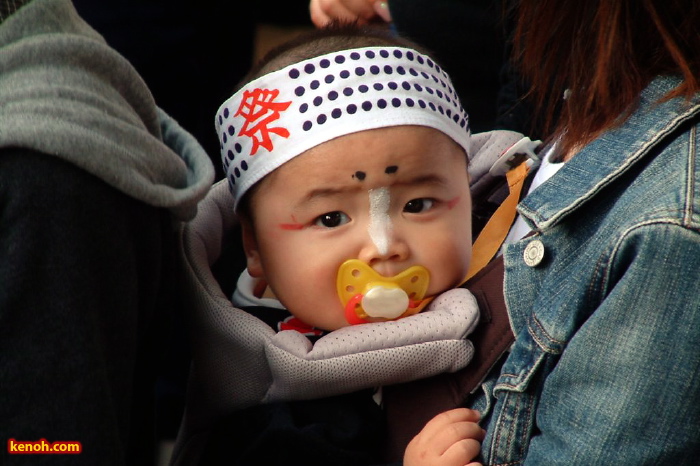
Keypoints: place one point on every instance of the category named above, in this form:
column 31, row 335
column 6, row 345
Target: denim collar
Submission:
column 604, row 160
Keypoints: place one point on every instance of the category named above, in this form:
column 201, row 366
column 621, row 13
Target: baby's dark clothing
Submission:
column 340, row 430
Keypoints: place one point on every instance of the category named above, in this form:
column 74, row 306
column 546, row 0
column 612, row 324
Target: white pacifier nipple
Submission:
column 366, row 294
column 388, row 303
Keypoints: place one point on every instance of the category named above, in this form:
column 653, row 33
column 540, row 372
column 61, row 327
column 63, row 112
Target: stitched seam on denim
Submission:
column 670, row 127
column 533, row 367
column 690, row 186
column 626, row 233
column 513, row 424
column 606, row 265
column 526, row 432
column 508, row 448
column 495, row 443
column 497, row 426
column 517, row 425
column 506, row 384
column 540, row 343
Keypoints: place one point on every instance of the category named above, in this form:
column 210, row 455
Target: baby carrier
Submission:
column 238, row 361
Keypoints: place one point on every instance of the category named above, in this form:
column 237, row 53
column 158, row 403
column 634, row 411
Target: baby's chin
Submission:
column 327, row 323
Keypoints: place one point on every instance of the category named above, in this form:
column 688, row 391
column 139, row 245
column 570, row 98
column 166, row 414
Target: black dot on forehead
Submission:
column 359, row 175
column 391, row 169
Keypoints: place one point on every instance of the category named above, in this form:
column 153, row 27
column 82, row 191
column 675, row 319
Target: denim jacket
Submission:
column 605, row 368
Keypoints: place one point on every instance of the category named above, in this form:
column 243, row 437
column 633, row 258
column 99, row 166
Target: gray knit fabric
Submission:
column 65, row 92
column 370, row 355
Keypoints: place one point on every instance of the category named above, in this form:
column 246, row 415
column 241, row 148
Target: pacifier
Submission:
column 366, row 294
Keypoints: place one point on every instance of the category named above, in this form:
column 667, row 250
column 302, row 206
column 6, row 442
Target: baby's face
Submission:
column 392, row 197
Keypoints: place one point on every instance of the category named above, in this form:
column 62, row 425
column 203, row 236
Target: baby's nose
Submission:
column 381, row 255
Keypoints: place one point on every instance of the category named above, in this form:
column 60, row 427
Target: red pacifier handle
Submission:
column 350, row 313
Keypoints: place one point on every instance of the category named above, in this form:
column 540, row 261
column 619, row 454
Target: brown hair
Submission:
column 605, row 52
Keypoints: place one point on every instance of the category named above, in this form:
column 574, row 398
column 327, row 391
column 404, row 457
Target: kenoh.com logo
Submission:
column 43, row 447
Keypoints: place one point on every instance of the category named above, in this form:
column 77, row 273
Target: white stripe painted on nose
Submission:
column 379, row 219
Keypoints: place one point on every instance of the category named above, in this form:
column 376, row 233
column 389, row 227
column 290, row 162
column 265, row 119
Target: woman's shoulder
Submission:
column 664, row 178
column 643, row 169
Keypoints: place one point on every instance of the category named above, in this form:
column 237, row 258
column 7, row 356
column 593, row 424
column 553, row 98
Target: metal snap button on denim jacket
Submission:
column 605, row 368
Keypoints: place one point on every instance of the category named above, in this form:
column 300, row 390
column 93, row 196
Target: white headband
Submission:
column 287, row 112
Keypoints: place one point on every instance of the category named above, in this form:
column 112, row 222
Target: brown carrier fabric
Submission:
column 409, row 406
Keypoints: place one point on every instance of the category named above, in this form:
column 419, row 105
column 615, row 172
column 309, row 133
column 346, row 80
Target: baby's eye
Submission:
column 332, row 219
column 416, row 206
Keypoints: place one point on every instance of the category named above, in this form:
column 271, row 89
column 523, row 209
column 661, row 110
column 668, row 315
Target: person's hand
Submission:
column 363, row 11
column 450, row 438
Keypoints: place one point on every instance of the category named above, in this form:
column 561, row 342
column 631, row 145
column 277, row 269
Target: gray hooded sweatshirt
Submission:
column 93, row 178
column 65, row 92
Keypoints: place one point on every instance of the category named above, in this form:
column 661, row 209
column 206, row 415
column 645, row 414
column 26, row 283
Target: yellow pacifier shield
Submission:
column 365, row 293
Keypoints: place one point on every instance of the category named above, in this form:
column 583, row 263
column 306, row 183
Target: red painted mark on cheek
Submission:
column 291, row 226
column 295, row 225
column 453, row 202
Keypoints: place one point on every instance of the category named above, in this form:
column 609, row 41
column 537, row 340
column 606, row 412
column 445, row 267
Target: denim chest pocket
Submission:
column 516, row 394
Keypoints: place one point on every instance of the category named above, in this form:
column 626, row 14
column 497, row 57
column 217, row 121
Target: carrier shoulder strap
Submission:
column 408, row 407
column 498, row 179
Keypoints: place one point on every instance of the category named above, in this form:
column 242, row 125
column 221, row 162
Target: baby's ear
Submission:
column 250, row 247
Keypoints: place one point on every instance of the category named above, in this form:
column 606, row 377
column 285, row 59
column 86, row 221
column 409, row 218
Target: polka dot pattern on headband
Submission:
column 284, row 113
column 438, row 77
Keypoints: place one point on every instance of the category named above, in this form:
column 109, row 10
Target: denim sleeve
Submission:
column 626, row 389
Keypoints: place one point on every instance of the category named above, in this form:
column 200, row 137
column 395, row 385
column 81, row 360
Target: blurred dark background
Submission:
column 193, row 53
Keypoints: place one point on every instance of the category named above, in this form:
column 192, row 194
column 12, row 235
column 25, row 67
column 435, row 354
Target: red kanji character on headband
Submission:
column 259, row 109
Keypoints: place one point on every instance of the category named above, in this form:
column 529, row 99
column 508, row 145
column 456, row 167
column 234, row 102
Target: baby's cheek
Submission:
column 451, row 270
column 319, row 280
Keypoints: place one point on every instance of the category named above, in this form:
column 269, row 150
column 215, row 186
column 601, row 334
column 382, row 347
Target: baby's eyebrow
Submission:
column 335, row 191
column 426, row 179
column 327, row 192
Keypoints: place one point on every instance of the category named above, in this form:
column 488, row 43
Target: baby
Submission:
column 357, row 155
column 346, row 154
